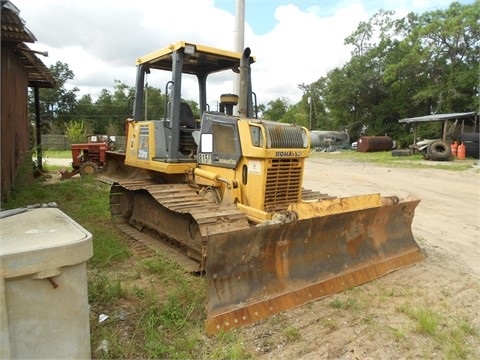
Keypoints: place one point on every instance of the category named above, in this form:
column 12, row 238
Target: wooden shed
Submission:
column 20, row 69
column 459, row 123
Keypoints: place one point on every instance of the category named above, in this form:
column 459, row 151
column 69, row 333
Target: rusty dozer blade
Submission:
column 115, row 169
column 255, row 273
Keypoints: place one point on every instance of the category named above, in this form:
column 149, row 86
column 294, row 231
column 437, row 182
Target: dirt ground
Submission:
column 380, row 320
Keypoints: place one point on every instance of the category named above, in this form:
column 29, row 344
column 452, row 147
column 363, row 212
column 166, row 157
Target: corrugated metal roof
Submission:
column 38, row 74
column 437, row 117
column 13, row 26
column 14, row 35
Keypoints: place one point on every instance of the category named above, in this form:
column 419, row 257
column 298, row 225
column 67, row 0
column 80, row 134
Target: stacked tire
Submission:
column 472, row 144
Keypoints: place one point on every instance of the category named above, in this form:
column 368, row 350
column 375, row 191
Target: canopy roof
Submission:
column 201, row 60
column 437, row 117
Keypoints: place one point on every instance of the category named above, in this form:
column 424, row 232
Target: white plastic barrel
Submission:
column 44, row 311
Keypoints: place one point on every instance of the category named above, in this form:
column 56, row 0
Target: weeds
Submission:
column 291, row 333
column 348, row 304
column 426, row 319
column 103, row 290
column 229, row 345
column 398, row 334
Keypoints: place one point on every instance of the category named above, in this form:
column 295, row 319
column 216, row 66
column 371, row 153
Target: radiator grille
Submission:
column 284, row 184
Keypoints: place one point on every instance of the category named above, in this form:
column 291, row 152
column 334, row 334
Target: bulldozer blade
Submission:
column 258, row 272
column 116, row 169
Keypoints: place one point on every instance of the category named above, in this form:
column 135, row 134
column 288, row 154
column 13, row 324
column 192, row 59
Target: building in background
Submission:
column 20, row 69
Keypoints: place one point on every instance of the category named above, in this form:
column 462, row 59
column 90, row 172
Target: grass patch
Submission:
column 347, row 304
column 398, row 334
column 164, row 315
column 228, row 345
column 385, row 158
column 426, row 320
column 103, row 290
column 57, row 154
column 291, row 333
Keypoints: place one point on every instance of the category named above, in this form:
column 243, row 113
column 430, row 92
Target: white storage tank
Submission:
column 44, row 311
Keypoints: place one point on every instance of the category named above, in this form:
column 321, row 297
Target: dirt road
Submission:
column 430, row 310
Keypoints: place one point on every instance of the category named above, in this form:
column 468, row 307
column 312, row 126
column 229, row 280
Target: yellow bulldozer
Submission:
column 225, row 192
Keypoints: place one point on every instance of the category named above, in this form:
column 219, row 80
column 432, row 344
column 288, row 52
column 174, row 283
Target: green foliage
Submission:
column 75, row 132
column 57, row 104
column 276, row 109
column 401, row 68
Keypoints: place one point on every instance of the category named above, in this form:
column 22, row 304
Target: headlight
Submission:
column 189, row 49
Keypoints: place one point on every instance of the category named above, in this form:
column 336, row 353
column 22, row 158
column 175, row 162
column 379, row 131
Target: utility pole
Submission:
column 239, row 41
column 310, row 103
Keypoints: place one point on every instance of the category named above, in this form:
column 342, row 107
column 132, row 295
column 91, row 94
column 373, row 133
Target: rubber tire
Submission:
column 88, row 168
column 401, row 152
column 472, row 149
column 471, row 142
column 439, row 151
column 472, row 137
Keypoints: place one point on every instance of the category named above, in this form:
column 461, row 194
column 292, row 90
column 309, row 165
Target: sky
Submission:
column 294, row 42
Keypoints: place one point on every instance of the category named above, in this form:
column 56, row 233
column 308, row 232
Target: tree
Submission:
column 450, row 43
column 405, row 67
column 314, row 104
column 56, row 103
column 276, row 109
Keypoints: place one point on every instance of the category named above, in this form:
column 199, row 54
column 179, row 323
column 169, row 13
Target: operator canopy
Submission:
column 199, row 59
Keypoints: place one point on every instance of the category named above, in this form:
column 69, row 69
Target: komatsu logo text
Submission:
column 287, row 153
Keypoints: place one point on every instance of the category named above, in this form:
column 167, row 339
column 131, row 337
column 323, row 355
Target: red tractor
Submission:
column 89, row 157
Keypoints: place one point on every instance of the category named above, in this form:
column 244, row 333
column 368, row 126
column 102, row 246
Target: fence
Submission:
column 60, row 142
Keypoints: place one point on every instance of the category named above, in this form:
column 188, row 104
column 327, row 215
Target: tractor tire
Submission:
column 439, row 151
column 401, row 152
column 88, row 169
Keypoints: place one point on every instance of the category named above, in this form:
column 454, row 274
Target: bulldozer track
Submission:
column 181, row 198
column 211, row 218
column 156, row 245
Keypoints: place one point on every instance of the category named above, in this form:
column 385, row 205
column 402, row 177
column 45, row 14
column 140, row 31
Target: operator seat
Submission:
column 186, row 116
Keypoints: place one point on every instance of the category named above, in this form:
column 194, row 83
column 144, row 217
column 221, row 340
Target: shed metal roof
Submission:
column 437, row 117
column 14, row 35
column 13, row 26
